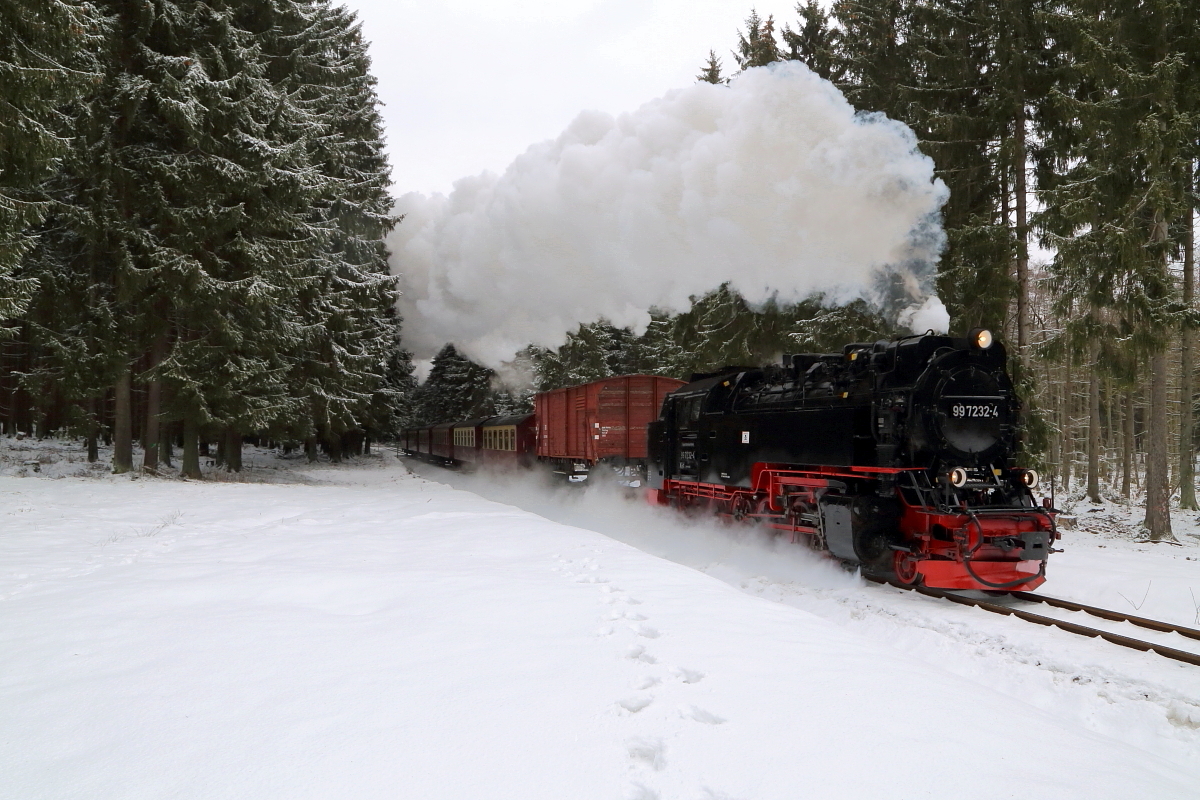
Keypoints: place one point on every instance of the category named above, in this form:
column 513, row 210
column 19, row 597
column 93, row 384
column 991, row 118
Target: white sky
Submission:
column 468, row 84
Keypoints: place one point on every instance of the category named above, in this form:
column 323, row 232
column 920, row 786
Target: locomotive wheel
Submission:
column 741, row 508
column 905, row 567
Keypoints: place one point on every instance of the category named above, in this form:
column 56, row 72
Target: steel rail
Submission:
column 1104, row 613
column 1072, row 627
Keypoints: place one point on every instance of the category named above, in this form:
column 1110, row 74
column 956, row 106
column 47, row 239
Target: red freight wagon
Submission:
column 604, row 420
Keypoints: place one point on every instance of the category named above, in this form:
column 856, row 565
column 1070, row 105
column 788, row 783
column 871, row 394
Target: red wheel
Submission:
column 905, row 567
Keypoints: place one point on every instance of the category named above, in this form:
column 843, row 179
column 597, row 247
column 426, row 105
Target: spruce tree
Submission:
column 45, row 63
column 875, row 57
column 456, row 388
column 711, row 72
column 815, row 41
column 757, row 46
column 347, row 369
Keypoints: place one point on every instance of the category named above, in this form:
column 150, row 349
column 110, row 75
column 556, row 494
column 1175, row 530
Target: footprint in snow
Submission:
column 651, row 752
column 709, row 794
column 700, row 715
column 640, row 791
column 687, row 675
column 645, row 631
column 635, row 704
column 644, row 682
column 638, row 653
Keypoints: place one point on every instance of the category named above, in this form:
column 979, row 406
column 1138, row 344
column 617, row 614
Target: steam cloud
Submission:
column 772, row 183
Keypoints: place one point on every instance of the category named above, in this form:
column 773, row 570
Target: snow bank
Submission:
column 393, row 637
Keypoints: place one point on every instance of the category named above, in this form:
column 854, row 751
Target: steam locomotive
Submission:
column 899, row 456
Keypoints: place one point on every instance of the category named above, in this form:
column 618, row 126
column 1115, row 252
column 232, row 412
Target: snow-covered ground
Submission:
column 364, row 632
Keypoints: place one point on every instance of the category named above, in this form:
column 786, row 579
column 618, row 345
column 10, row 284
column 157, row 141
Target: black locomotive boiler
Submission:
column 896, row 455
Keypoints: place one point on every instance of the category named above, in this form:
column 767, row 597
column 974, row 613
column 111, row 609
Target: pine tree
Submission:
column 711, row 72
column 347, row 370
column 757, row 47
column 815, row 41
column 456, row 388
column 45, row 63
column 1187, row 389
column 1022, row 72
column 948, row 102
column 875, row 57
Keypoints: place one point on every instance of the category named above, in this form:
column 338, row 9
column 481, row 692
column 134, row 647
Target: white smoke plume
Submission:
column 772, row 183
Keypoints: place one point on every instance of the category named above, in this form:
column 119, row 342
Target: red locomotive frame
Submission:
column 950, row 548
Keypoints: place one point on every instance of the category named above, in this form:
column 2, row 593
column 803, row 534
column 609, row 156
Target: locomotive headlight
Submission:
column 982, row 338
column 1030, row 478
column 958, row 477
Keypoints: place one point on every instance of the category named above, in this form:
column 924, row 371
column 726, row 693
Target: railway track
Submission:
column 1082, row 630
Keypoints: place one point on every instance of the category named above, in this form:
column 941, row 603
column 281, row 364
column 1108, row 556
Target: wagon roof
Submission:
column 514, row 420
column 471, row 423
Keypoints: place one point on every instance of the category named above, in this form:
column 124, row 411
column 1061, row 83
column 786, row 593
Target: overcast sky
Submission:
column 469, row 84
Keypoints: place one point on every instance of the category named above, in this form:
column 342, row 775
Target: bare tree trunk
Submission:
column 1129, row 444
column 310, row 449
column 1108, row 445
column 1158, row 479
column 123, row 424
column 1068, row 432
column 1158, row 486
column 164, row 444
column 93, row 444
column 191, row 449
column 1187, row 389
column 1022, row 240
column 1093, row 440
column 151, row 433
column 233, row 450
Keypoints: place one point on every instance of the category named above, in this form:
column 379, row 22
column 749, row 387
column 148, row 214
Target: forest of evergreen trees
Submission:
column 192, row 211
column 194, row 196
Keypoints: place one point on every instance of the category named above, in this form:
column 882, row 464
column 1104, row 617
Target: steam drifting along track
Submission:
column 1082, row 630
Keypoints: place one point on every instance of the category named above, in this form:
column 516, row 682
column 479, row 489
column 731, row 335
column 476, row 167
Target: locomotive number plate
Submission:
column 975, row 410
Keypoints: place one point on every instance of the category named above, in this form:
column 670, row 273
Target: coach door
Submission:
column 687, row 435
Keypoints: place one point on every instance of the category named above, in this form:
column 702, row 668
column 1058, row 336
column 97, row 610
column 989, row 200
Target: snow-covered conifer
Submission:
column 44, row 63
column 456, row 388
